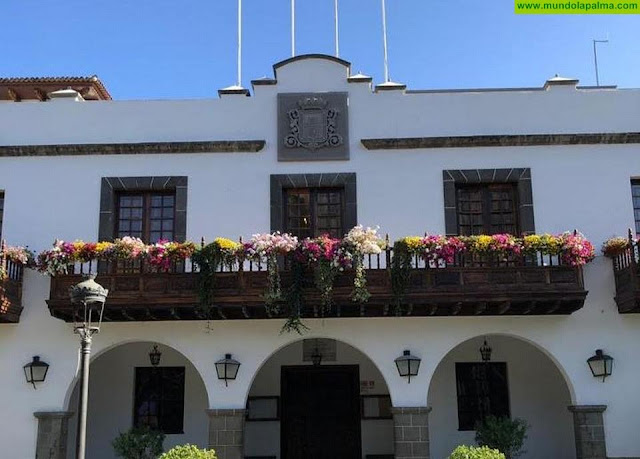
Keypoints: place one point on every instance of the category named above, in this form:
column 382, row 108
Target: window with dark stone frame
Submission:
column 159, row 399
column 327, row 201
column 487, row 209
column 488, row 201
column 313, row 212
column 149, row 216
column 151, row 208
column 482, row 390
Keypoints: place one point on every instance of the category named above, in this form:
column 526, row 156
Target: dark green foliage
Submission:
column 504, row 434
column 138, row 443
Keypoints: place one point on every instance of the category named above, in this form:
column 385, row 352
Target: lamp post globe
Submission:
column 88, row 297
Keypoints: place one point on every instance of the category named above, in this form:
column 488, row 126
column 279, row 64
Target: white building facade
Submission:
column 569, row 153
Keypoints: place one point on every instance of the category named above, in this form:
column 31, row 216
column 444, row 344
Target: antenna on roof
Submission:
column 239, row 43
column 293, row 28
column 384, row 42
column 335, row 14
column 595, row 58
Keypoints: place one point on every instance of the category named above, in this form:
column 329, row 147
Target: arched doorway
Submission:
column 126, row 390
column 519, row 381
column 338, row 407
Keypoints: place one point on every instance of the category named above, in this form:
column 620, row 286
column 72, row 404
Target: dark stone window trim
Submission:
column 519, row 140
column 156, row 148
column 110, row 186
column 279, row 183
column 520, row 176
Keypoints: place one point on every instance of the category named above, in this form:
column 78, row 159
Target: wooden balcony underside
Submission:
column 10, row 301
column 627, row 289
column 454, row 291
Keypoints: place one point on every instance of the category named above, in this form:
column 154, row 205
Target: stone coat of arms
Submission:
column 312, row 125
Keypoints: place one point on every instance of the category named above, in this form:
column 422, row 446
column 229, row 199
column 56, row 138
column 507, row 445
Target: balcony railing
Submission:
column 10, row 290
column 522, row 285
column 625, row 270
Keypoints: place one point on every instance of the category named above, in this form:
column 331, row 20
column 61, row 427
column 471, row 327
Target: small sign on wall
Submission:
column 367, row 386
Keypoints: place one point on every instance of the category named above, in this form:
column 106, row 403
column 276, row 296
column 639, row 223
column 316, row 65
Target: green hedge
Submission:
column 189, row 452
column 476, row 452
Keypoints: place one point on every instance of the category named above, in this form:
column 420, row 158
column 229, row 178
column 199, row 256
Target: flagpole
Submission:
column 335, row 8
column 384, row 38
column 239, row 42
column 293, row 28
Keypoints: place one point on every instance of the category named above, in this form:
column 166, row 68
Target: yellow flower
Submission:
column 226, row 244
column 102, row 247
column 483, row 242
column 532, row 239
column 412, row 242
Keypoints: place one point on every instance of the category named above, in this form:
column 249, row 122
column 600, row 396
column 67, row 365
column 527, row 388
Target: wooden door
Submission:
column 320, row 412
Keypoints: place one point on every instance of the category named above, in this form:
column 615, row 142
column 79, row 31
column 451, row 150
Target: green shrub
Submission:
column 474, row 452
column 189, row 452
column 138, row 443
column 504, row 434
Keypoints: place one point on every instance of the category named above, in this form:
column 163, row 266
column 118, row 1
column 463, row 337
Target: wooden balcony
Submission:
column 625, row 270
column 11, row 292
column 531, row 286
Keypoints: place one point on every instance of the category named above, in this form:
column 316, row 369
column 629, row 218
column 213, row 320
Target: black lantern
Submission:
column 36, row 371
column 485, row 352
column 601, row 365
column 408, row 365
column 227, row 368
column 154, row 356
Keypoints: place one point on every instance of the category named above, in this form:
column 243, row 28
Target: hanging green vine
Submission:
column 273, row 294
column 324, row 274
column 360, row 293
column 221, row 253
column 400, row 273
column 295, row 300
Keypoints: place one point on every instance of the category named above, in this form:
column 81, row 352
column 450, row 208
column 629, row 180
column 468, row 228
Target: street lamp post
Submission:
column 88, row 297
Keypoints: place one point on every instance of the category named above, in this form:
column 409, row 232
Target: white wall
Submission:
column 263, row 438
column 537, row 394
column 111, row 394
column 584, row 187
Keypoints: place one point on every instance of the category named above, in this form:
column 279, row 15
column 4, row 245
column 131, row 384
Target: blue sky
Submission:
column 154, row 49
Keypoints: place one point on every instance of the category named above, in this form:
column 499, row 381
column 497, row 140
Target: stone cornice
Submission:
column 214, row 146
column 525, row 140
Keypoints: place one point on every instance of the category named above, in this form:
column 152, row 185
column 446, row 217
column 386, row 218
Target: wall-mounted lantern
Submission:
column 485, row 352
column 36, row 371
column 601, row 365
column 154, row 356
column 408, row 365
column 227, row 369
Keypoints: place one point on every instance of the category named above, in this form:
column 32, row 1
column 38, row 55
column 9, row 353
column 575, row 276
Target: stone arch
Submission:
column 531, row 342
column 286, row 361
column 97, row 354
column 112, row 389
column 280, row 347
column 538, row 390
